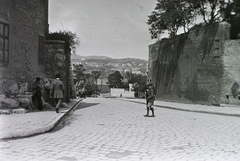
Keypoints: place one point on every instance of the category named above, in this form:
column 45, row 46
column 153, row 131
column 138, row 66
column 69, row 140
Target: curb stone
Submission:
column 189, row 110
column 39, row 130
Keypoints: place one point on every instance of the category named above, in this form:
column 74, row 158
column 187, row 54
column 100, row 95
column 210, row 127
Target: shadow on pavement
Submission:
column 85, row 105
column 71, row 116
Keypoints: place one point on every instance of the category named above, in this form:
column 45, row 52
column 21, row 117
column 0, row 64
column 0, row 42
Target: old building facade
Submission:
column 24, row 51
column 23, row 28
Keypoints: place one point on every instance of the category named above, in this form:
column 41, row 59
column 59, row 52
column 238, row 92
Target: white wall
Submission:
column 117, row 92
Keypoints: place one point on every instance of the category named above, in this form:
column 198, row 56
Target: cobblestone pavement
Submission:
column 115, row 130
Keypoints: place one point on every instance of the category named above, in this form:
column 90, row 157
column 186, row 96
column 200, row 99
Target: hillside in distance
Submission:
column 108, row 65
column 77, row 57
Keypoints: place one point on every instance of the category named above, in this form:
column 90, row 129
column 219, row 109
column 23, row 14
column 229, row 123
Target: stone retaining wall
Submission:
column 200, row 66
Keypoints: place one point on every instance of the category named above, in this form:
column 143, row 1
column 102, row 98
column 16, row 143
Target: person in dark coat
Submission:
column 150, row 98
column 57, row 91
column 37, row 93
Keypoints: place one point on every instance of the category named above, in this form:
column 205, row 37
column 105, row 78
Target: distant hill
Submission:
column 75, row 56
column 108, row 65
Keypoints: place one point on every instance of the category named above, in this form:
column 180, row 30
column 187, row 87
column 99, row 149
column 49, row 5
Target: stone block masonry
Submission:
column 197, row 67
column 231, row 72
column 23, row 31
column 27, row 21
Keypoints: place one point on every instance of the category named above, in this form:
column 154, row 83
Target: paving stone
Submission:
column 107, row 128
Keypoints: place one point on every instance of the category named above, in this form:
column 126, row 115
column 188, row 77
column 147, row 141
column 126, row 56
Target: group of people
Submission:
column 56, row 92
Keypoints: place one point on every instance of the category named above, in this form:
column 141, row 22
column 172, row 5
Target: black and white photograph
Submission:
column 119, row 80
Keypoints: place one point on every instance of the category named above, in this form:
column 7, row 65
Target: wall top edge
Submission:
column 55, row 41
column 223, row 23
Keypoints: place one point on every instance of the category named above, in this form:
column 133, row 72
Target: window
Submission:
column 4, row 42
column 41, row 49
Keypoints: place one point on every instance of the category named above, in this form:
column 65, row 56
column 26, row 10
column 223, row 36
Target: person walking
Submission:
column 37, row 93
column 57, row 91
column 150, row 98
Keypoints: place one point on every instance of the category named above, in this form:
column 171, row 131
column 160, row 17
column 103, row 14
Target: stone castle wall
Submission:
column 196, row 67
column 27, row 21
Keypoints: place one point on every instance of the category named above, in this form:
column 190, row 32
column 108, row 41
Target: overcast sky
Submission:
column 114, row 28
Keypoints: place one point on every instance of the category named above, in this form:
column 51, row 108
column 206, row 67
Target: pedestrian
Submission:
column 37, row 93
column 150, row 98
column 47, row 92
column 71, row 92
column 57, row 91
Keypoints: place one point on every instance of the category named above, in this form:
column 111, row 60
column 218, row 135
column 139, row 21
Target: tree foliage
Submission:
column 86, row 83
column 71, row 39
column 209, row 10
column 139, row 81
column 96, row 75
column 171, row 15
column 231, row 14
column 115, row 79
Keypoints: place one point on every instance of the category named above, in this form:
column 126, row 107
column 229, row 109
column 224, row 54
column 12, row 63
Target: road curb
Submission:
column 188, row 110
column 40, row 130
column 65, row 114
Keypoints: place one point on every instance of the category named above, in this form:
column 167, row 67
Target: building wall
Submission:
column 119, row 92
column 190, row 67
column 27, row 21
column 231, row 73
column 116, row 92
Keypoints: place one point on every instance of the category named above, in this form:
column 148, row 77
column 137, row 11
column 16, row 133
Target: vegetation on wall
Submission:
column 71, row 39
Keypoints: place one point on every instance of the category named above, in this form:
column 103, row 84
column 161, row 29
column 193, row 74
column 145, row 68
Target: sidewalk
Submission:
column 22, row 125
column 224, row 109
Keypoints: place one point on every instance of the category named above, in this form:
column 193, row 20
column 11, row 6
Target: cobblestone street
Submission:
column 103, row 129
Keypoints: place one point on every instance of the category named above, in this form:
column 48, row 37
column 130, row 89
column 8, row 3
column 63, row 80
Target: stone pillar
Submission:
column 56, row 62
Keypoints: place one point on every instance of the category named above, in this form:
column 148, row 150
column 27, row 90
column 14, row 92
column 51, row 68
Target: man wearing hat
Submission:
column 150, row 98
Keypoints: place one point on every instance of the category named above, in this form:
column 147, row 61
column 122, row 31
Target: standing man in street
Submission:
column 37, row 93
column 150, row 98
column 57, row 91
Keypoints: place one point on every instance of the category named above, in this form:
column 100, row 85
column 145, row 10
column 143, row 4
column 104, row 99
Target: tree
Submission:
column 80, row 77
column 230, row 11
column 209, row 10
column 96, row 75
column 90, row 89
column 170, row 15
column 85, row 82
column 115, row 79
column 139, row 81
column 218, row 10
